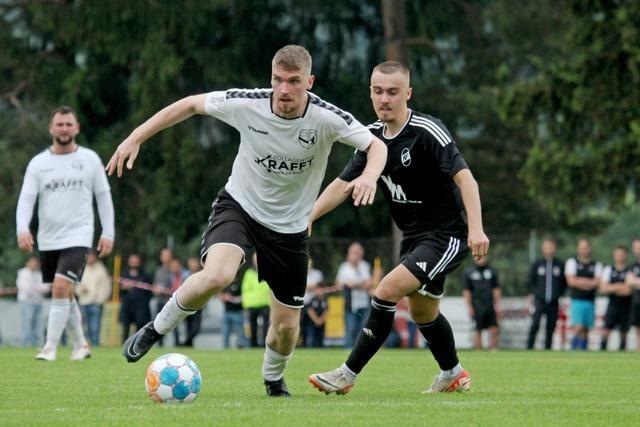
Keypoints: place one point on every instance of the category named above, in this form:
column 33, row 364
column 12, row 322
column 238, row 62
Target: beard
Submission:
column 63, row 141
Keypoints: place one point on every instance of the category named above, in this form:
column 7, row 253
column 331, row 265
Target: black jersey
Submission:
column 613, row 276
column 481, row 281
column 417, row 179
column 635, row 269
column 590, row 270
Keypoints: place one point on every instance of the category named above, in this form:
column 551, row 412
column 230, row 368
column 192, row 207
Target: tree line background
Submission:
column 541, row 96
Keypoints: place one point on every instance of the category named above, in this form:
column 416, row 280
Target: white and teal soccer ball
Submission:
column 173, row 378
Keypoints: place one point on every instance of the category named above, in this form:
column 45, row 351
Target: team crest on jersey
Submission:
column 405, row 157
column 308, row 137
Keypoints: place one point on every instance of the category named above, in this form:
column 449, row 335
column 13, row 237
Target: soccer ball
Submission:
column 173, row 378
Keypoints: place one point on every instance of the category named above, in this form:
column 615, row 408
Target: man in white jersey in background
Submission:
column 286, row 134
column 64, row 178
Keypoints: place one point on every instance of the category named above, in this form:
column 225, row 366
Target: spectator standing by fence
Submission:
column 547, row 284
column 583, row 278
column 31, row 293
column 94, row 290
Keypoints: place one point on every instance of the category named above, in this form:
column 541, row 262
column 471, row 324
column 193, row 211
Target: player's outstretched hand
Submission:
column 105, row 246
column 126, row 151
column 363, row 189
column 478, row 242
column 25, row 241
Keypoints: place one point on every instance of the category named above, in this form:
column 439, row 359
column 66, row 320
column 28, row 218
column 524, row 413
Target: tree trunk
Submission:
column 395, row 34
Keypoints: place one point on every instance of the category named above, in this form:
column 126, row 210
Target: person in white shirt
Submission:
column 31, row 293
column 64, row 179
column 286, row 134
column 93, row 292
column 354, row 277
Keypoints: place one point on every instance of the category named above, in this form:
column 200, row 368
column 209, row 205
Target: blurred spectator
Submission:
column 482, row 295
column 233, row 320
column 633, row 279
column 256, row 298
column 31, row 293
column 583, row 277
column 619, row 307
column 162, row 278
column 317, row 312
column 178, row 275
column 94, row 290
column 314, row 277
column 354, row 277
column 194, row 321
column 546, row 284
column 134, row 306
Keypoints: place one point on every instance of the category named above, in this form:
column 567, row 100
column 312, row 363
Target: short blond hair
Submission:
column 391, row 67
column 292, row 57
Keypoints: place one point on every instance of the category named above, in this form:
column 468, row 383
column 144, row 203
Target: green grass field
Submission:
column 509, row 388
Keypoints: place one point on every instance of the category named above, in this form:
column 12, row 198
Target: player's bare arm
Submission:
column 331, row 197
column 477, row 240
column 363, row 188
column 167, row 117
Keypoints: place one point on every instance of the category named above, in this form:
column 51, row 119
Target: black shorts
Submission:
column 485, row 319
column 617, row 315
column 66, row 263
column 432, row 255
column 282, row 258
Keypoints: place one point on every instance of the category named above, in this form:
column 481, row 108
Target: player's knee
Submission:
column 286, row 329
column 425, row 314
column 387, row 293
column 60, row 289
column 216, row 281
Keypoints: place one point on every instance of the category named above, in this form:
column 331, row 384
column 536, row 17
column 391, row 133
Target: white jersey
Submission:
column 347, row 273
column 65, row 185
column 280, row 164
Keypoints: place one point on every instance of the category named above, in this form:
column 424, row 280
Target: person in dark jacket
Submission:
column 134, row 307
column 547, row 284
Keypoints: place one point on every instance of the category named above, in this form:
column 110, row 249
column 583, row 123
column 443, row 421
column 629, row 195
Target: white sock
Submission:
column 348, row 372
column 170, row 315
column 451, row 373
column 58, row 316
column 274, row 364
column 74, row 326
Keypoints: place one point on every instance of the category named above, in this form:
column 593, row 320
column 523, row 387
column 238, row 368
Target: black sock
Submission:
column 374, row 333
column 439, row 336
column 603, row 344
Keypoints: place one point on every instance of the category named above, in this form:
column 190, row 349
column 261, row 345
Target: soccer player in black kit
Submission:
column 428, row 187
column 619, row 307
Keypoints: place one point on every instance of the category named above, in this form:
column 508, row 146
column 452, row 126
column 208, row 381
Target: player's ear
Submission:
column 409, row 93
column 310, row 81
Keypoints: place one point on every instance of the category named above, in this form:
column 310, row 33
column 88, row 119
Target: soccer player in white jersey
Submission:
column 286, row 134
column 434, row 200
column 64, row 179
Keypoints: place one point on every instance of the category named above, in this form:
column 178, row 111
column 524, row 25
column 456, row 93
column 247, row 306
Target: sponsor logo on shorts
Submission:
column 298, row 298
column 72, row 275
column 284, row 165
column 422, row 265
column 368, row 333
